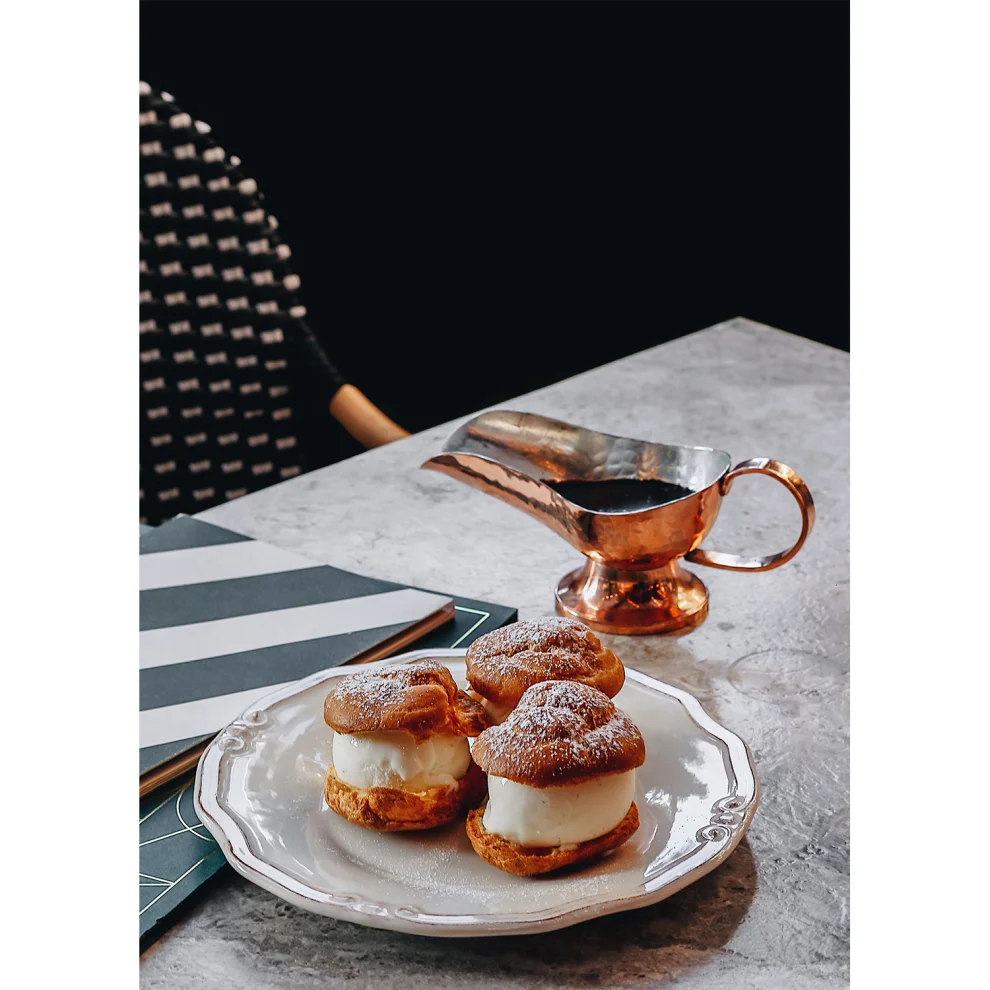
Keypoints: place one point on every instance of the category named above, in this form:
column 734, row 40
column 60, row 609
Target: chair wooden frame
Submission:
column 362, row 419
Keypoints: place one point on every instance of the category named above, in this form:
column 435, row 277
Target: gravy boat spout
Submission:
column 632, row 580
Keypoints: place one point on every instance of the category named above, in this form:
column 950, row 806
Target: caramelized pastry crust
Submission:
column 526, row 861
column 502, row 664
column 561, row 732
column 420, row 698
column 387, row 809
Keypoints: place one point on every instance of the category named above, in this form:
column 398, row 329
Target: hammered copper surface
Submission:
column 665, row 599
column 632, row 582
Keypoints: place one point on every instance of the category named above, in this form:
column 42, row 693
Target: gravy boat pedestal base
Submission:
column 664, row 599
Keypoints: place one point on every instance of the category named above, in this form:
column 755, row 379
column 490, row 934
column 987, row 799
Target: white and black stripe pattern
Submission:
column 235, row 385
column 226, row 619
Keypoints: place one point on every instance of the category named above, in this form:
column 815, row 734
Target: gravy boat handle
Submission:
column 793, row 483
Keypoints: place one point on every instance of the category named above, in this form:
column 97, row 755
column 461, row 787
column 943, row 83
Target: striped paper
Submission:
column 226, row 619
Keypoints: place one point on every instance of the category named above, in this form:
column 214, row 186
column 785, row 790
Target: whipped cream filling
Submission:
column 398, row 760
column 496, row 712
column 558, row 816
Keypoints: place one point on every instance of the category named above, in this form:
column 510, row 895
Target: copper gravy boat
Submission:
column 632, row 581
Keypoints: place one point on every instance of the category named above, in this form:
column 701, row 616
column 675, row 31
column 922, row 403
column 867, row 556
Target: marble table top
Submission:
column 771, row 663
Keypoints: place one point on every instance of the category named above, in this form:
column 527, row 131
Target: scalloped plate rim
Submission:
column 351, row 908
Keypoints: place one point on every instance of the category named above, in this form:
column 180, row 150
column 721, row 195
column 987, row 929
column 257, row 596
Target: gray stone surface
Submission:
column 771, row 663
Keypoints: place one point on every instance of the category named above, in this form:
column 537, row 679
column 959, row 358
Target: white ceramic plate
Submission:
column 259, row 790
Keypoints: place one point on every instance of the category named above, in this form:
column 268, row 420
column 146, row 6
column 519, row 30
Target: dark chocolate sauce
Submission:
column 619, row 494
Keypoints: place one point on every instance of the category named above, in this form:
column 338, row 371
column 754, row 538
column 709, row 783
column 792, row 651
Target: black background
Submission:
column 482, row 199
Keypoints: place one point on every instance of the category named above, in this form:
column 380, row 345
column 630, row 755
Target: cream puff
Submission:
column 401, row 759
column 502, row 664
column 561, row 779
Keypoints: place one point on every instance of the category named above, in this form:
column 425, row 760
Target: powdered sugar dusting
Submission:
column 560, row 730
column 535, row 635
column 368, row 693
column 503, row 663
column 416, row 696
column 525, row 635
